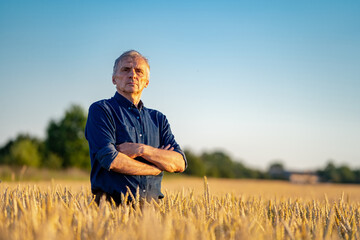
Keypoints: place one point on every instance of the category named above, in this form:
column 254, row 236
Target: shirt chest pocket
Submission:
column 125, row 134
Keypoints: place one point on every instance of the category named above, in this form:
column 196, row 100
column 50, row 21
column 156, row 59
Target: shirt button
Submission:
column 140, row 135
column 129, row 108
column 144, row 190
column 137, row 117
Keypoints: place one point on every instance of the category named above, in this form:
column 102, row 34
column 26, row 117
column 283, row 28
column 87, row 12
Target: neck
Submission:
column 132, row 97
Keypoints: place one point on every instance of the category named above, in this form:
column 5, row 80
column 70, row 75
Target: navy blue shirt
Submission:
column 114, row 121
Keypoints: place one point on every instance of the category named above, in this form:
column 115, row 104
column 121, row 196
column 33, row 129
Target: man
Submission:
column 130, row 145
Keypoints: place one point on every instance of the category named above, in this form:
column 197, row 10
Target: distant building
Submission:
column 303, row 177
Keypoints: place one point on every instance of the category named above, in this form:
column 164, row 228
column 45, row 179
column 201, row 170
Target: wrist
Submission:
column 146, row 150
column 143, row 150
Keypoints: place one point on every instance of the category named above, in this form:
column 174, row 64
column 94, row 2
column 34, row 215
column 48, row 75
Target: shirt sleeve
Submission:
column 168, row 138
column 100, row 133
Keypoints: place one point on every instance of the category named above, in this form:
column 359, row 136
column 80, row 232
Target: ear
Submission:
column 147, row 83
column 113, row 80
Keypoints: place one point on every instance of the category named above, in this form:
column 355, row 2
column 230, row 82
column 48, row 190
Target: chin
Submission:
column 131, row 91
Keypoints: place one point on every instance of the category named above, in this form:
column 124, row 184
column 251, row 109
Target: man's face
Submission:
column 131, row 76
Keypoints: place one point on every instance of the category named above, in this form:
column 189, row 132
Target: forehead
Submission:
column 133, row 62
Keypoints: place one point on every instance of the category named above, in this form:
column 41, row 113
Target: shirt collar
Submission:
column 123, row 101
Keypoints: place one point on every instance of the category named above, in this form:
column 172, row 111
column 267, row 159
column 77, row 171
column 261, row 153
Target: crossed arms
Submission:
column 164, row 159
column 101, row 134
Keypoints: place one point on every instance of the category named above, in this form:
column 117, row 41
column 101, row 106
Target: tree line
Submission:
column 65, row 146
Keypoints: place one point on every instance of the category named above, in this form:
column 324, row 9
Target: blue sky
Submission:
column 261, row 80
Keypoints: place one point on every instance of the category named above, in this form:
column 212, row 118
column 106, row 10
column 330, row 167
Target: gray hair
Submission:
column 133, row 54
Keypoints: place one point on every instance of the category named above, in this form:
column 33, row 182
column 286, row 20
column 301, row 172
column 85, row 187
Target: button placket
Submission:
column 140, row 123
column 144, row 184
column 136, row 115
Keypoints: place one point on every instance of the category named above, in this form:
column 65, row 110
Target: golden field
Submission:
column 192, row 209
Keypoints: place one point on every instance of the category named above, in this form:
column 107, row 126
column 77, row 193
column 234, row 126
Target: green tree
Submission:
column 25, row 152
column 52, row 161
column 241, row 171
column 196, row 166
column 357, row 175
column 277, row 170
column 342, row 174
column 346, row 175
column 5, row 153
column 331, row 174
column 21, row 151
column 66, row 139
column 218, row 164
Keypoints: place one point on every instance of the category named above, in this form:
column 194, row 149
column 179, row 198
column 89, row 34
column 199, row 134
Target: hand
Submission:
column 168, row 147
column 132, row 150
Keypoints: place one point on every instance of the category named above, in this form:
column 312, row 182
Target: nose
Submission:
column 132, row 73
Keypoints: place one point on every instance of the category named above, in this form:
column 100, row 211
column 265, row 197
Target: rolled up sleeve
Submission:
column 168, row 138
column 106, row 155
column 100, row 133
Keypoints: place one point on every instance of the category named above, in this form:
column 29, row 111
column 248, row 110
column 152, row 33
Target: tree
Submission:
column 196, row 166
column 241, row 171
column 52, row 161
column 66, row 139
column 277, row 170
column 218, row 164
column 357, row 175
column 330, row 173
column 5, row 153
column 25, row 152
column 346, row 175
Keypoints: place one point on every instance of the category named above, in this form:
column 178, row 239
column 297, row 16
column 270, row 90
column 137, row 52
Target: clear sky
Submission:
column 261, row 80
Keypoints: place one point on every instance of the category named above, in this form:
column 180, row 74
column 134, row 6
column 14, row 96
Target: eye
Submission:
column 125, row 69
column 139, row 71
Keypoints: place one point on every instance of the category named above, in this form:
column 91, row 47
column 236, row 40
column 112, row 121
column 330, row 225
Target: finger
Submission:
column 172, row 148
column 162, row 147
column 167, row 147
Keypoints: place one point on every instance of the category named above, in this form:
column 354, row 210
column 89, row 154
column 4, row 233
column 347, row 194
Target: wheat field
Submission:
column 192, row 209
